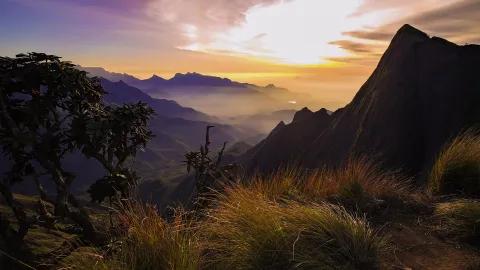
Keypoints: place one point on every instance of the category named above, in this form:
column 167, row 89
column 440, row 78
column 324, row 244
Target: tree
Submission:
column 111, row 136
column 208, row 170
column 43, row 104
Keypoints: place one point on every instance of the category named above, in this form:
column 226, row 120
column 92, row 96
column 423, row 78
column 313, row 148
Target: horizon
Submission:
column 337, row 48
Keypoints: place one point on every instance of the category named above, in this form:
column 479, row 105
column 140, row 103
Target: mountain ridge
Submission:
column 423, row 91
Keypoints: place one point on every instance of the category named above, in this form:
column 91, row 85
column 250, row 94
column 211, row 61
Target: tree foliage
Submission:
column 49, row 108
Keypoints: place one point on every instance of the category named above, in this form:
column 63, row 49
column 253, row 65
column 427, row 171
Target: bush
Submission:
column 249, row 231
column 460, row 218
column 457, row 168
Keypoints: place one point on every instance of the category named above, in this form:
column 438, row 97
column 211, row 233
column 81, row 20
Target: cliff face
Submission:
column 423, row 91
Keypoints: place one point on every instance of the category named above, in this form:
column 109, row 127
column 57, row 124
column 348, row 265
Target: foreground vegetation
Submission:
column 325, row 219
column 353, row 217
column 356, row 216
column 322, row 219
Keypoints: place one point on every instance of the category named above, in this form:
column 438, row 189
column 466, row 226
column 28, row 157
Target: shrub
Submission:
column 457, row 168
column 460, row 218
column 249, row 231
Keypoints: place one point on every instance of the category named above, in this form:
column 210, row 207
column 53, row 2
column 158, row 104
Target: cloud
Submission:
column 208, row 16
column 458, row 21
column 452, row 21
column 353, row 46
column 370, row 6
column 369, row 34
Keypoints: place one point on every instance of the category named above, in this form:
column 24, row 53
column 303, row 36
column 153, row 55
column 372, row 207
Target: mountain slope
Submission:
column 423, row 91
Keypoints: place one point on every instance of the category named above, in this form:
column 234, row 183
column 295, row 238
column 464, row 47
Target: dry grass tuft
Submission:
column 457, row 168
column 149, row 242
column 249, row 231
column 153, row 243
column 358, row 184
column 460, row 218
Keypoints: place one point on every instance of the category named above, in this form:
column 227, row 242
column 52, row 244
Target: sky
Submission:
column 324, row 48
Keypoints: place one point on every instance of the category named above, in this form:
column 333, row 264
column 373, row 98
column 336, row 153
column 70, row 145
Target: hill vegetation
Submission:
column 358, row 216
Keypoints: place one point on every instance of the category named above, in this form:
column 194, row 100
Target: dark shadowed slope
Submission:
column 286, row 142
column 423, row 91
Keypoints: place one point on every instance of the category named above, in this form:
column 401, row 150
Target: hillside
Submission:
column 423, row 91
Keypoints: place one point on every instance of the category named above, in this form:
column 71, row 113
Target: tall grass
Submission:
column 457, row 168
column 148, row 242
column 292, row 219
column 461, row 218
column 153, row 243
column 359, row 183
column 248, row 231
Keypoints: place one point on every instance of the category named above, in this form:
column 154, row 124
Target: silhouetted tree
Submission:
column 49, row 108
column 112, row 136
column 208, row 170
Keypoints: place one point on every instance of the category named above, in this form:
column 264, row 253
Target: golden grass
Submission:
column 149, row 242
column 457, row 168
column 289, row 219
column 358, row 183
column 460, row 218
column 153, row 243
column 248, row 231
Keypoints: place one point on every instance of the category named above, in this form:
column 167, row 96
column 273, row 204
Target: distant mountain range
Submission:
column 212, row 95
column 181, row 82
column 423, row 91
column 177, row 129
column 120, row 92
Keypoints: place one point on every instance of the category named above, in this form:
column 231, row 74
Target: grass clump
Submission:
column 457, row 168
column 148, row 242
column 153, row 243
column 249, row 231
column 359, row 184
column 460, row 218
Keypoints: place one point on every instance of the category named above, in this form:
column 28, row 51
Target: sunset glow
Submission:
column 319, row 47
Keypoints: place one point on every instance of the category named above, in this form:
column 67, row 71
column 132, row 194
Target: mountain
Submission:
column 111, row 76
column 177, row 129
column 261, row 122
column 179, row 82
column 213, row 95
column 120, row 92
column 423, row 91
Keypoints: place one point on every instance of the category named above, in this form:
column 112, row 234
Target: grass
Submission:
column 359, row 184
column 291, row 219
column 148, row 242
column 460, row 218
column 249, row 231
column 245, row 229
column 457, row 168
